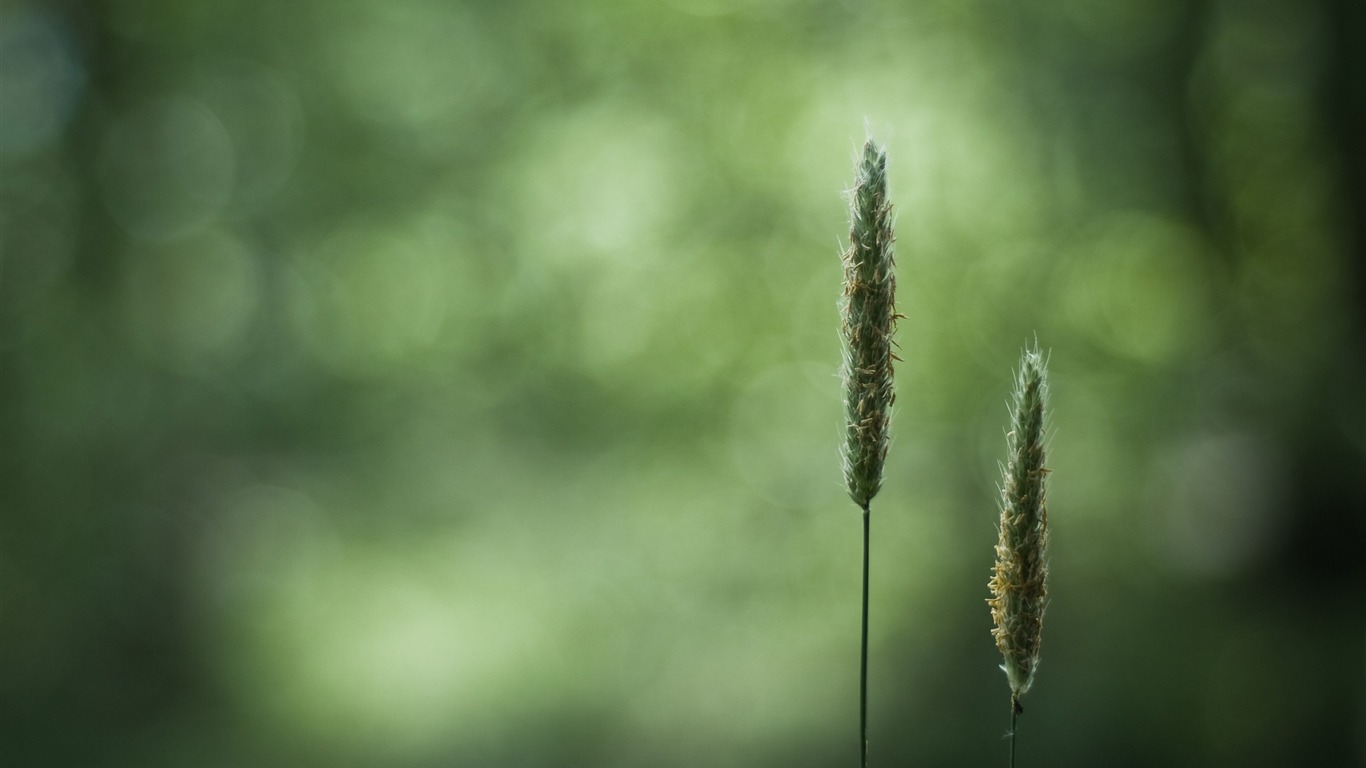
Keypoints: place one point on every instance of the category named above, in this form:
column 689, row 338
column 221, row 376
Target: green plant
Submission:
column 1019, row 582
column 868, row 313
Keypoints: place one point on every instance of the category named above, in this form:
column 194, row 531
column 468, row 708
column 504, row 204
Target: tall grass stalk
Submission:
column 868, row 319
column 1019, row 582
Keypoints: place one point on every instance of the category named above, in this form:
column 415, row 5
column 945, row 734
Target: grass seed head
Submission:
column 1019, row 582
column 868, row 313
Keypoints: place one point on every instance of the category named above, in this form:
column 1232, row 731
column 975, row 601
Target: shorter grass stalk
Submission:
column 1019, row 581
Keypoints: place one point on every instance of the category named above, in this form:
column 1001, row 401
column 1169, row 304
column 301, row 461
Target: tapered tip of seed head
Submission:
column 1033, row 357
column 1032, row 378
column 873, row 164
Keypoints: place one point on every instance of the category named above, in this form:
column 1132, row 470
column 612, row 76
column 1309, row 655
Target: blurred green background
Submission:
column 453, row 384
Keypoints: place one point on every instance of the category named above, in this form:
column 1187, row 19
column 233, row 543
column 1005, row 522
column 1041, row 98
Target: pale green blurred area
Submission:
column 424, row 383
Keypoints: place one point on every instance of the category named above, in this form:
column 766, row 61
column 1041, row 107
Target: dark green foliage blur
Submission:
column 425, row 383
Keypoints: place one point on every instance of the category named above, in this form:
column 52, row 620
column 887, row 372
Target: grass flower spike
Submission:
column 869, row 316
column 1019, row 584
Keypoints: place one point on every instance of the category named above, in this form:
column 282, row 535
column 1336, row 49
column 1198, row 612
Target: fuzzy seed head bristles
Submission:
column 1019, row 582
column 868, row 314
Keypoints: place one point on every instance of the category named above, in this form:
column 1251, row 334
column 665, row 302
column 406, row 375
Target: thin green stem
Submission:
column 863, row 656
column 1015, row 710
